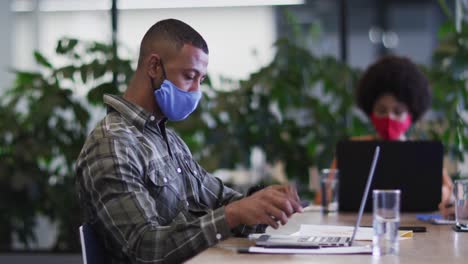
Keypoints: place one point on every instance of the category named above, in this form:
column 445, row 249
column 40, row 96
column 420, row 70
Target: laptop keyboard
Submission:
column 326, row 241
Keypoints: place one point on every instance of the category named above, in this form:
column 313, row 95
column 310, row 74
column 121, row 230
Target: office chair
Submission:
column 91, row 247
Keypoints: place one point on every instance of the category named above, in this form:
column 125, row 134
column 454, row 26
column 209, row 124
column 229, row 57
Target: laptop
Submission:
column 286, row 241
column 414, row 167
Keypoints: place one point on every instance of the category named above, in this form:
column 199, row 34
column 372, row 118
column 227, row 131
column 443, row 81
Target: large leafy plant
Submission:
column 45, row 123
column 448, row 74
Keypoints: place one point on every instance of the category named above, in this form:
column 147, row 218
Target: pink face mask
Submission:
column 390, row 129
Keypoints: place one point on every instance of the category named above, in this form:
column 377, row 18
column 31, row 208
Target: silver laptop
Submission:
column 286, row 241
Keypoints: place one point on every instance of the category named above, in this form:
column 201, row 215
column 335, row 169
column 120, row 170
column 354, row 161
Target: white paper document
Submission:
column 328, row 250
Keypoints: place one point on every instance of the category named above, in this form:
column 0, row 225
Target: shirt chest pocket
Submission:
column 166, row 187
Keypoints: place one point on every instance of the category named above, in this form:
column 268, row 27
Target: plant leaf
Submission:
column 41, row 60
column 95, row 95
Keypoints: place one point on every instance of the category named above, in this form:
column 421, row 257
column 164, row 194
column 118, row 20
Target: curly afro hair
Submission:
column 397, row 76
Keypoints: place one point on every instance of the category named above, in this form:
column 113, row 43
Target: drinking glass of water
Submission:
column 386, row 220
column 461, row 203
column 329, row 188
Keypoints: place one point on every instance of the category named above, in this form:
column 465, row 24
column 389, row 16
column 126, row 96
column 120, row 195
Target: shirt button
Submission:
column 152, row 118
column 179, row 170
column 219, row 236
column 195, row 172
column 164, row 179
column 186, row 203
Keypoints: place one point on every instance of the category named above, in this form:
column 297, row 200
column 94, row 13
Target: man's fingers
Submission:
column 294, row 201
column 271, row 206
column 284, row 200
column 283, row 204
column 270, row 221
column 289, row 190
column 277, row 214
column 294, row 197
column 297, row 206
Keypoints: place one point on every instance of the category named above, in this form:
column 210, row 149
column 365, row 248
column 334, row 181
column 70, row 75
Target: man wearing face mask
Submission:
column 394, row 94
column 175, row 103
column 140, row 189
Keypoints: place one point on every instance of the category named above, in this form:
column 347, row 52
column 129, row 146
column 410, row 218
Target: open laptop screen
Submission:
column 414, row 167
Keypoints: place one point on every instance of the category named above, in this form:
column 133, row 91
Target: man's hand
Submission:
column 267, row 206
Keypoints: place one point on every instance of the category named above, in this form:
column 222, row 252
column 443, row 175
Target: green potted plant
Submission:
column 45, row 123
column 447, row 74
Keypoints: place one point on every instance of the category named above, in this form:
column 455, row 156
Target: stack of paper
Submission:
column 321, row 251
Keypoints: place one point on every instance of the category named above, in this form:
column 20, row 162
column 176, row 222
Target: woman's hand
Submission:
column 446, row 208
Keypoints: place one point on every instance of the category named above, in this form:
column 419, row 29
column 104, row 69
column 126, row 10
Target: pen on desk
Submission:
column 415, row 229
column 243, row 250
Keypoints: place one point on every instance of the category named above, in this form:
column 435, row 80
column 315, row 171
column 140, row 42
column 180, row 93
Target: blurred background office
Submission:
column 279, row 96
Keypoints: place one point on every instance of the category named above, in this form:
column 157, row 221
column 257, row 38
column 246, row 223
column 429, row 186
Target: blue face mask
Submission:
column 175, row 103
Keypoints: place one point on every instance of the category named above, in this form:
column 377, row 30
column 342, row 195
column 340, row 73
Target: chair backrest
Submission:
column 91, row 247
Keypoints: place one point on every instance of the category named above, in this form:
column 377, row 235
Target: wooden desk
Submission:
column 440, row 244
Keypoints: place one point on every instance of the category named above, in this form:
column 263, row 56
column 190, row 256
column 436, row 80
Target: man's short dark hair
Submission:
column 397, row 76
column 173, row 31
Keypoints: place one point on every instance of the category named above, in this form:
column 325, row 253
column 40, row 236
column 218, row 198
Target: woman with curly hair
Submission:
column 395, row 94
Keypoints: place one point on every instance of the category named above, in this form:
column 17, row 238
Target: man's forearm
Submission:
column 176, row 242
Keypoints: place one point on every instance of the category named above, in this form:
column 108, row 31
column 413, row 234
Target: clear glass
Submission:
column 461, row 202
column 329, row 183
column 386, row 220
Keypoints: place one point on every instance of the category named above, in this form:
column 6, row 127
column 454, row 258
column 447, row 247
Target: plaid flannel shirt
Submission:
column 147, row 198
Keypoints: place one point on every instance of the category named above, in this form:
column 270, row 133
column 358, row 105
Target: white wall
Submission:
column 232, row 33
column 360, row 49
column 6, row 24
column 41, row 31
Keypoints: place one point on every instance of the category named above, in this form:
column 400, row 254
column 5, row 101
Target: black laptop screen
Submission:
column 414, row 167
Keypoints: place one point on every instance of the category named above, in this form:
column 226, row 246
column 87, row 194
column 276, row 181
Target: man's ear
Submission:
column 154, row 66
